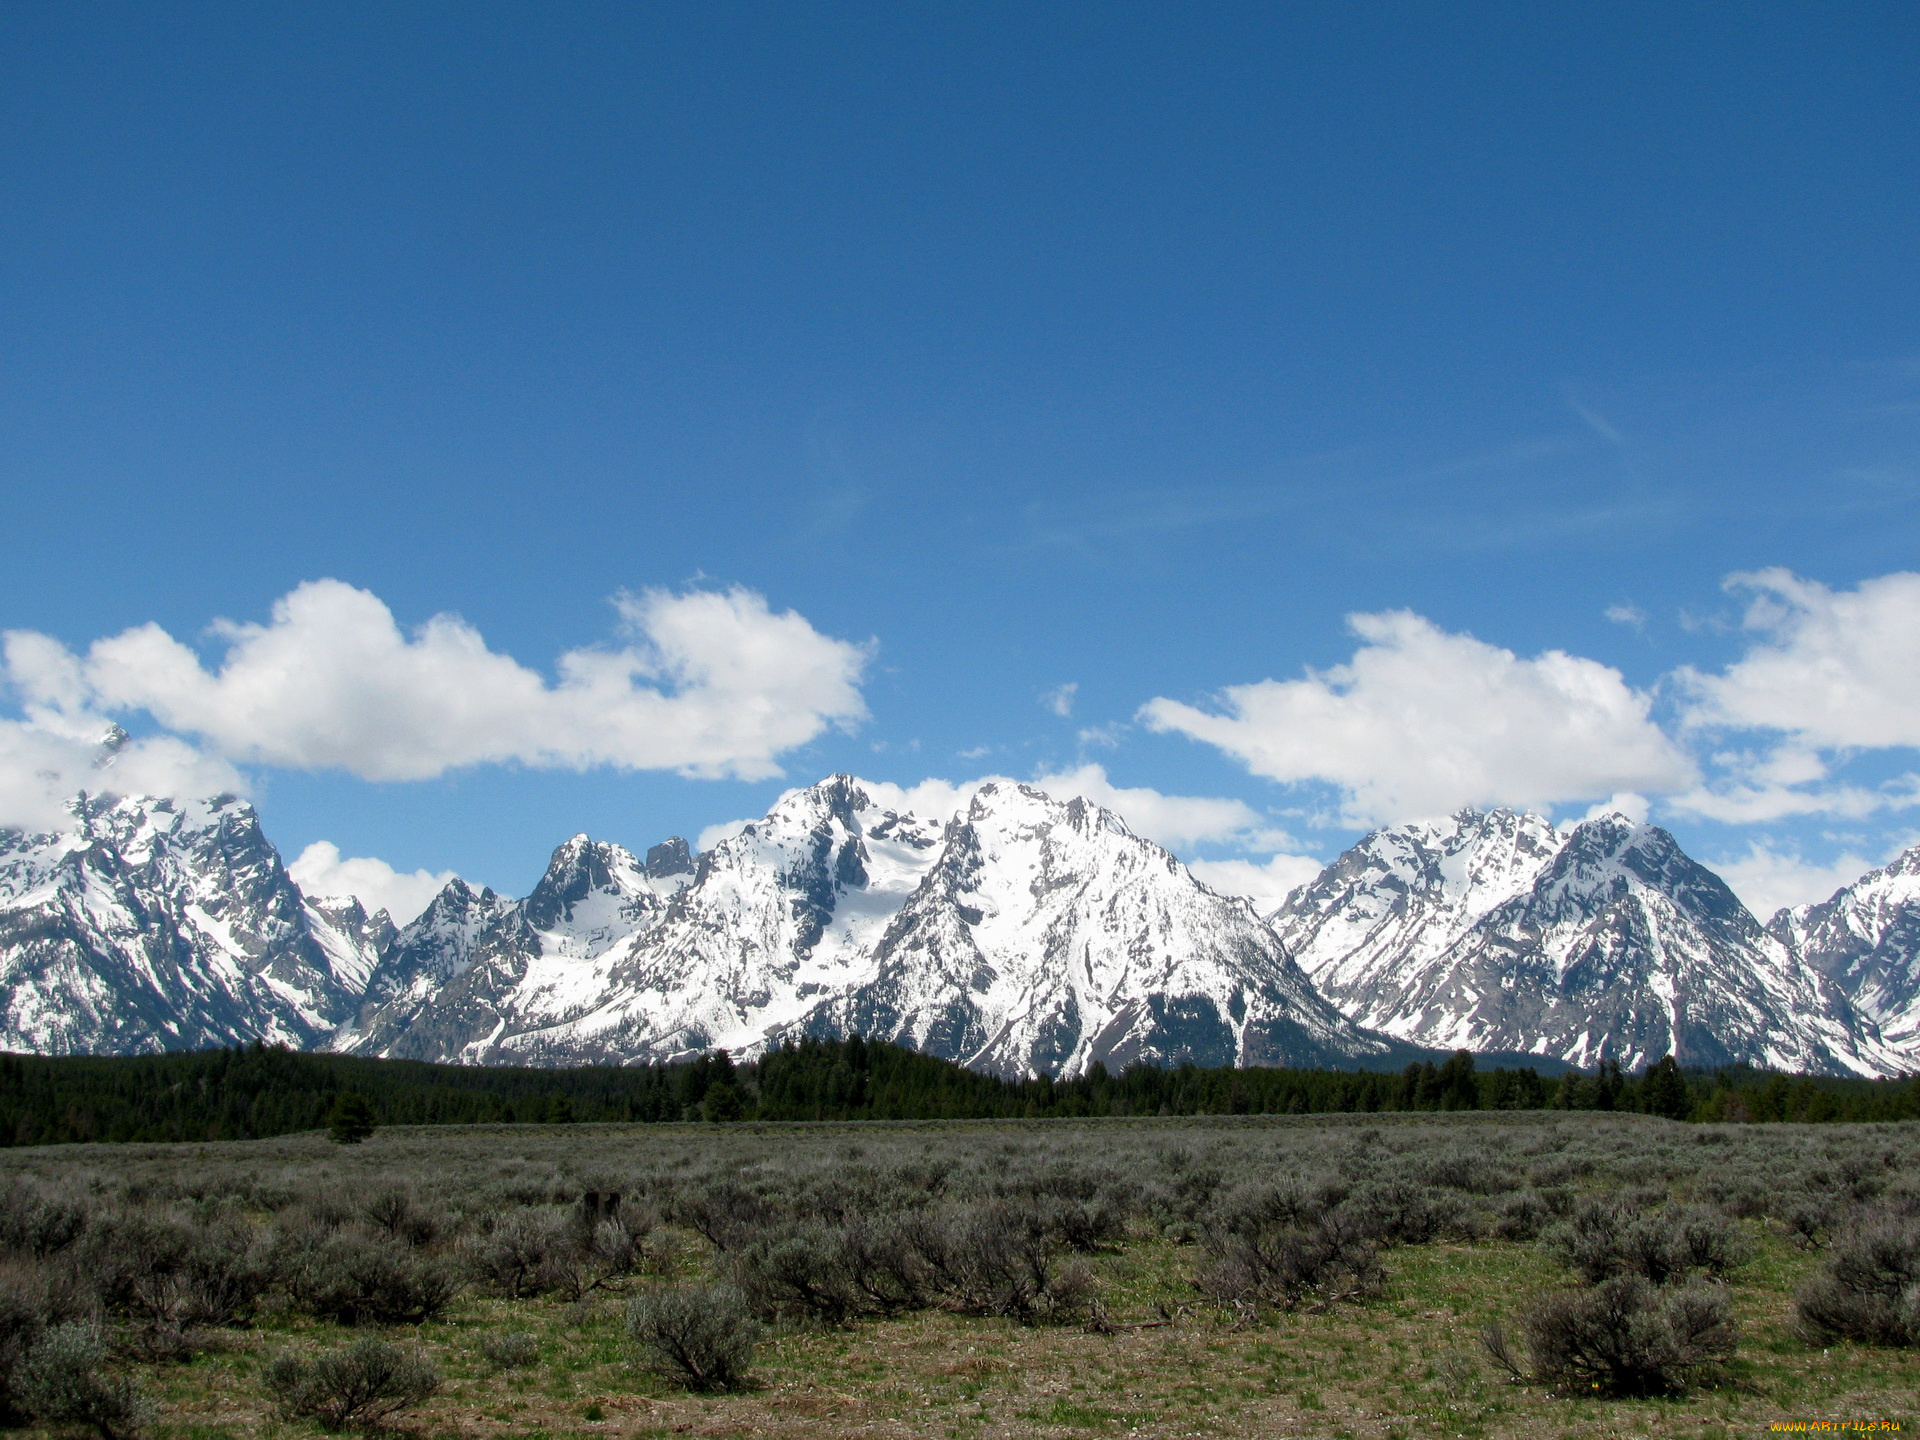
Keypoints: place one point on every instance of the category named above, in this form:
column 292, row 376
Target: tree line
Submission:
column 260, row 1090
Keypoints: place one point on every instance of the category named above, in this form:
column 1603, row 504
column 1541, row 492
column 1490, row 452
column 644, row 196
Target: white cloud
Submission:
column 1831, row 672
column 1266, row 885
column 1635, row 807
column 1175, row 821
column 1060, row 699
column 1631, row 615
column 714, row 834
column 320, row 871
column 43, row 765
column 708, row 683
column 1835, row 669
column 1421, row 722
column 1767, row 880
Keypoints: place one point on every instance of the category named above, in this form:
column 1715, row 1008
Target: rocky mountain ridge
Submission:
column 1496, row 931
column 1023, row 934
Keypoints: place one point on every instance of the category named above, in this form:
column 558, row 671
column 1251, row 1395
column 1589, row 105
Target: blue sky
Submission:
column 1004, row 348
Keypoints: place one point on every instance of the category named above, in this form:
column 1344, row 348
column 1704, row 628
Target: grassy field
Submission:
column 1162, row 1361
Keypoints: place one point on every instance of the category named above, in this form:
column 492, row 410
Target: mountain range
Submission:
column 1021, row 934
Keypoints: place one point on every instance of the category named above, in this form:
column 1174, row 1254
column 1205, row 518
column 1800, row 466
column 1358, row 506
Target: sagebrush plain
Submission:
column 1114, row 1296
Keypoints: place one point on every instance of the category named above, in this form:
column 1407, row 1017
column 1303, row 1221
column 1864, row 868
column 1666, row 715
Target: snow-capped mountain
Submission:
column 1398, row 900
column 1495, row 932
column 1026, row 935
column 1046, row 936
column 1022, row 934
column 154, row 924
column 1865, row 940
column 456, row 982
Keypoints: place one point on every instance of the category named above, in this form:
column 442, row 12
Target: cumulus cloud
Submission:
column 1060, row 699
column 1422, row 721
column 1767, row 880
column 1175, row 821
column 1829, row 672
column 1833, row 669
column 1635, row 807
column 708, row 683
column 321, row 870
column 43, row 766
column 1265, row 884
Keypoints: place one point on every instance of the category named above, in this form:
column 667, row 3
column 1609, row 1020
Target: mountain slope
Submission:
column 1865, row 940
column 1397, row 900
column 1048, row 937
column 1617, row 946
column 154, row 924
column 1028, row 935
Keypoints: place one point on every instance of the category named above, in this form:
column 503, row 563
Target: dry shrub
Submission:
column 1287, row 1266
column 1608, row 1237
column 64, row 1380
column 1623, row 1337
column 1869, row 1290
column 699, row 1336
column 35, row 1297
column 356, row 1278
column 369, row 1381
column 513, row 1350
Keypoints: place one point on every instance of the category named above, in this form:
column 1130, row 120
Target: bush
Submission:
column 517, row 1257
column 32, row 1223
column 33, row 1299
column 1521, row 1216
column 397, row 1214
column 369, row 1381
column 698, row 1336
column 172, row 1276
column 801, row 1273
column 512, row 1351
column 989, row 1260
column 1287, row 1267
column 1869, row 1291
column 1607, row 1237
column 354, row 1277
column 724, row 1213
column 61, row 1381
column 1405, row 1212
column 1623, row 1337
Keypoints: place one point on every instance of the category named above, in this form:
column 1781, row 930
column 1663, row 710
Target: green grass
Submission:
column 1407, row 1366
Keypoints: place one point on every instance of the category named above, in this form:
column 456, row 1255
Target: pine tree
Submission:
column 1664, row 1090
column 351, row 1119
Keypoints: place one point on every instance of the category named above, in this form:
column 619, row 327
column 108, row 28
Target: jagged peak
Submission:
column 672, row 856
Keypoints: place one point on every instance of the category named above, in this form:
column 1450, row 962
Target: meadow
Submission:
column 1324, row 1275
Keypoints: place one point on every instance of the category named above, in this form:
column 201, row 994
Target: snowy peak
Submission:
column 1865, row 941
column 1027, row 934
column 1610, row 942
column 352, row 939
column 1048, row 937
column 152, row 923
column 1403, row 895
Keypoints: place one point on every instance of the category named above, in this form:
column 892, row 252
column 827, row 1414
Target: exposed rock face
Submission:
column 1495, row 932
column 155, row 924
column 1026, row 936
column 1865, row 941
